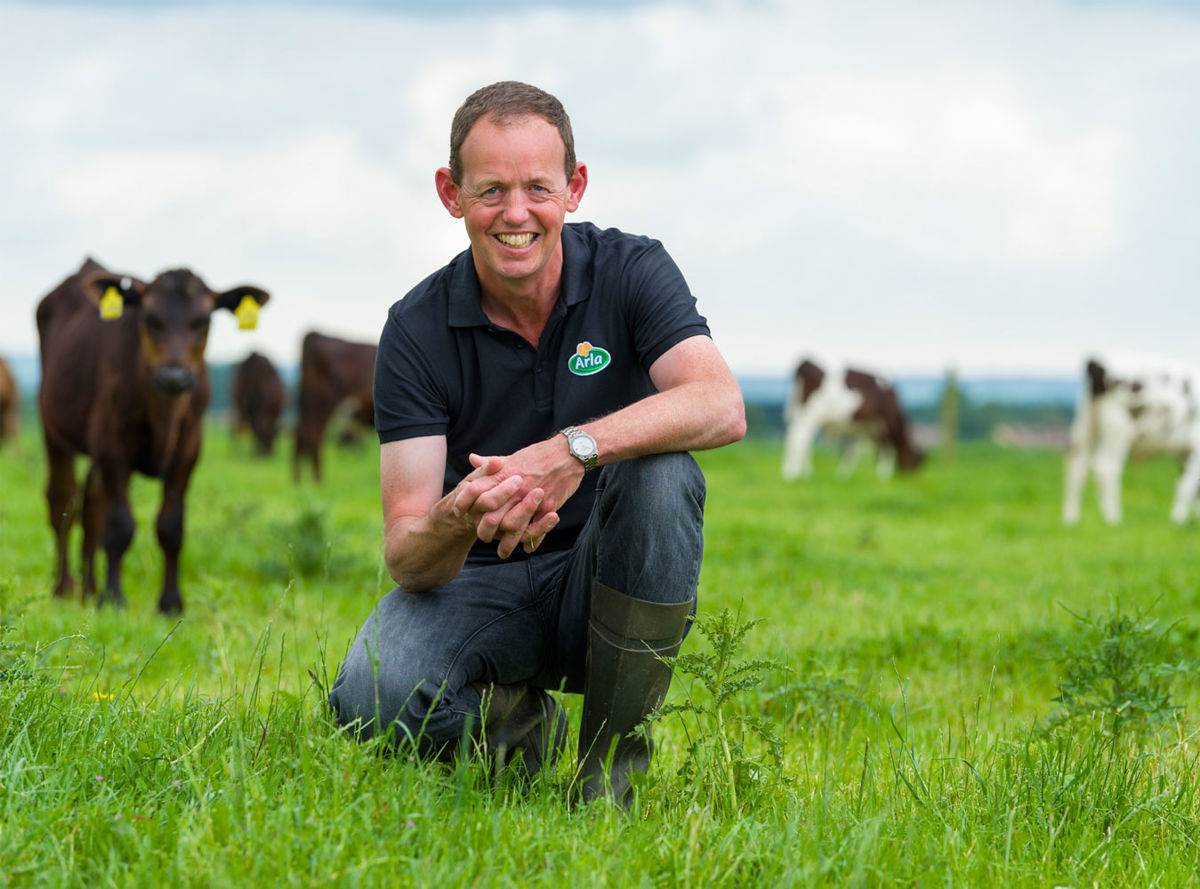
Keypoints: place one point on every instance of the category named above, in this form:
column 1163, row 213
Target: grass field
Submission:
column 906, row 731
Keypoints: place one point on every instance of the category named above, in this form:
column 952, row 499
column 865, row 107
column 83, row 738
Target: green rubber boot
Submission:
column 625, row 681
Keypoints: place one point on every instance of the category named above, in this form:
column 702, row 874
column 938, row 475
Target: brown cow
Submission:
column 10, row 403
column 130, row 393
column 845, row 403
column 332, row 372
column 258, row 397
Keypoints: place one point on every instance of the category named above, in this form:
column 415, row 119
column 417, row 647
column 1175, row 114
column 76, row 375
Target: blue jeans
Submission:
column 416, row 660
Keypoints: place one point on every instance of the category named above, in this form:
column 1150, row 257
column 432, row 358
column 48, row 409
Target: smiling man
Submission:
column 536, row 400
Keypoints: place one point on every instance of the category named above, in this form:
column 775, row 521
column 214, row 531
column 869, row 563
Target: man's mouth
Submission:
column 524, row 239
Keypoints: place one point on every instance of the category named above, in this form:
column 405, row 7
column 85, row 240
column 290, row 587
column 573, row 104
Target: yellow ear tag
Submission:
column 111, row 304
column 247, row 313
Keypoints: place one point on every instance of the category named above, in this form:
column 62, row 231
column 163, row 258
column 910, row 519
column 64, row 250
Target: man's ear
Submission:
column 96, row 285
column 576, row 188
column 448, row 192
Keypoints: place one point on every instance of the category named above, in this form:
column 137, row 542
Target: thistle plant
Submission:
column 1120, row 673
column 729, row 747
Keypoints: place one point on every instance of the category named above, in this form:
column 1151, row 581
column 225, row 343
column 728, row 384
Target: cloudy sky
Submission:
column 994, row 185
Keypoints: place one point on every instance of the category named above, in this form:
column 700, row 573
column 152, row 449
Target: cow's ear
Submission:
column 111, row 291
column 231, row 299
column 244, row 302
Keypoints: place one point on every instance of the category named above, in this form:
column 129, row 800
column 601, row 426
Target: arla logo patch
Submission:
column 588, row 360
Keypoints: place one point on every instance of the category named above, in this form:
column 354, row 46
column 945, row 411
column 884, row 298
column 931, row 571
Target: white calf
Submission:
column 847, row 404
column 1133, row 406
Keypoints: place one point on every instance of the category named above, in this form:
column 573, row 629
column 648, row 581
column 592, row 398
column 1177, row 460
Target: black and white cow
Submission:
column 1133, row 405
column 849, row 405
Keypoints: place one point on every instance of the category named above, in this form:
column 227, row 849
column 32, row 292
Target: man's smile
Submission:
column 523, row 239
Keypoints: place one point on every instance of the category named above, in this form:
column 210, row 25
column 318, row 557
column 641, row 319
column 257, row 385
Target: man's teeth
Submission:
column 522, row 240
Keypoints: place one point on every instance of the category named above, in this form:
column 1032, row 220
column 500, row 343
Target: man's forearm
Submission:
column 427, row 551
column 693, row 416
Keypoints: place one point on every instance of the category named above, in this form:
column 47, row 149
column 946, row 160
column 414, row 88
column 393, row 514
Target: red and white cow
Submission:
column 850, row 405
column 1133, row 405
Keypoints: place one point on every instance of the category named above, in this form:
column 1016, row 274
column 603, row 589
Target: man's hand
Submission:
column 546, row 476
column 500, row 506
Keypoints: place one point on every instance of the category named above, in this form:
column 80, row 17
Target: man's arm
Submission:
column 427, row 536
column 698, row 406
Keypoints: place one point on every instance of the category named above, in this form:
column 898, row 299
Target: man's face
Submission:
column 514, row 197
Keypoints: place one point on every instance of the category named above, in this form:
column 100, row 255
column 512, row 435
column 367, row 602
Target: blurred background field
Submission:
column 967, row 560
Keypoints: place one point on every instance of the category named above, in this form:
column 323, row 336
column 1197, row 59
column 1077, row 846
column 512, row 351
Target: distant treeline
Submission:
column 975, row 420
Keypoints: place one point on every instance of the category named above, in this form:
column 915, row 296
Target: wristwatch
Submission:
column 582, row 447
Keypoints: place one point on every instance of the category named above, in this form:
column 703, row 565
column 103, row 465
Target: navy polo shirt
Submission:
column 444, row 369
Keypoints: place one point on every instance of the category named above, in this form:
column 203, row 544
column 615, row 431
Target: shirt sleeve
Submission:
column 410, row 401
column 661, row 308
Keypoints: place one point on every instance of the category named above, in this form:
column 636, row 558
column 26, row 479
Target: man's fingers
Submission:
column 484, row 495
column 537, row 531
column 515, row 522
column 484, row 466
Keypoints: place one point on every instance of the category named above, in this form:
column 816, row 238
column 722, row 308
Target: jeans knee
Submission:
column 670, row 484
column 369, row 705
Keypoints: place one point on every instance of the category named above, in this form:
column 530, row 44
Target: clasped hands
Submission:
column 514, row 499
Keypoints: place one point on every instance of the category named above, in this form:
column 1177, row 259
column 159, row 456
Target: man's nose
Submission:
column 516, row 206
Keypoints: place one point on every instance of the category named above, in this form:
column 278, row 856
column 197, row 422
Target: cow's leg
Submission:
column 1109, row 465
column 118, row 533
column 170, row 538
column 170, row 532
column 797, row 449
column 316, row 410
column 885, row 461
column 1078, row 463
column 1075, row 478
column 60, row 502
column 1185, row 489
column 93, row 519
column 852, row 447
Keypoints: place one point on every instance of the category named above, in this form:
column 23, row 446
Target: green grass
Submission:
column 920, row 629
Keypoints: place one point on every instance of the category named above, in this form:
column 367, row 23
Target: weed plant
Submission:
column 1120, row 674
column 881, row 723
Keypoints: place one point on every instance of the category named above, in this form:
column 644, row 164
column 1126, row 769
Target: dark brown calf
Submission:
column 258, row 397
column 130, row 393
column 332, row 372
column 10, row 403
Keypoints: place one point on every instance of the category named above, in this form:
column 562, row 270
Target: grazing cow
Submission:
column 129, row 393
column 850, row 405
column 10, row 403
column 333, row 372
column 258, row 397
column 1136, row 406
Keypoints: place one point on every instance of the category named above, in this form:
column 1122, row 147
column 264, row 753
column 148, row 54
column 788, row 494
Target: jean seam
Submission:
column 466, row 642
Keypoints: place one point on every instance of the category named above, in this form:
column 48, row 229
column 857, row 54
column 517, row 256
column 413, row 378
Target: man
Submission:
column 535, row 402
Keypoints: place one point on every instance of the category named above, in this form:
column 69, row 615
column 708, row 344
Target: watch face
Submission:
column 580, row 447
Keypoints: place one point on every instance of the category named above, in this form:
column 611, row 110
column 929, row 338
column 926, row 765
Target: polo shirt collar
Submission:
column 465, row 310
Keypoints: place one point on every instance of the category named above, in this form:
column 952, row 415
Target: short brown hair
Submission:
column 504, row 101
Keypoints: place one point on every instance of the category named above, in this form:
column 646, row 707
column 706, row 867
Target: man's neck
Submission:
column 522, row 306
